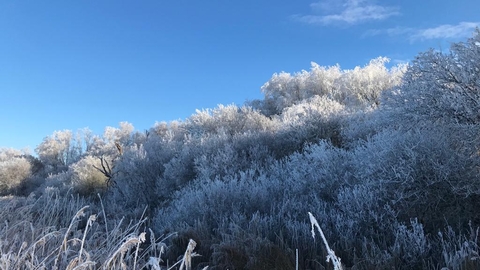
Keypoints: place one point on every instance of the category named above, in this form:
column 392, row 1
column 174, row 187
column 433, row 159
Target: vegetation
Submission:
column 386, row 159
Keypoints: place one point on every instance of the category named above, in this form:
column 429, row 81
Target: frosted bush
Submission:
column 363, row 87
column 228, row 119
column 440, row 87
column 13, row 171
column 359, row 211
column 411, row 243
column 86, row 179
column 459, row 251
column 317, row 106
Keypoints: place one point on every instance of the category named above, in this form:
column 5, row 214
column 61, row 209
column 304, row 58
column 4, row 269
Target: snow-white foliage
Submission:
column 364, row 86
column 316, row 106
column 75, row 159
column 360, row 87
column 167, row 132
column 112, row 137
column 86, row 179
column 57, row 150
column 65, row 147
column 282, row 191
column 121, row 134
column 14, row 168
column 441, row 87
column 229, row 119
column 8, row 153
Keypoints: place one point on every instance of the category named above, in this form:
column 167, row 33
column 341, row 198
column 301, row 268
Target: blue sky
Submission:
column 75, row 64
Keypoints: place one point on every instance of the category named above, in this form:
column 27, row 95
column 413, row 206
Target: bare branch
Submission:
column 106, row 170
column 119, row 148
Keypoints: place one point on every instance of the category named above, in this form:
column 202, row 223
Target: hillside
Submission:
column 385, row 157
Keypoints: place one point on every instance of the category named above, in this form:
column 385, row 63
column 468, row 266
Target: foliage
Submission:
column 58, row 150
column 15, row 168
column 86, row 178
column 442, row 87
column 360, row 87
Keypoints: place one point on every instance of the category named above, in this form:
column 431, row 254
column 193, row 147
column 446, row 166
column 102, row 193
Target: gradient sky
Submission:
column 75, row 64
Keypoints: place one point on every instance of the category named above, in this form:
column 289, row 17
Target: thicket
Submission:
column 386, row 158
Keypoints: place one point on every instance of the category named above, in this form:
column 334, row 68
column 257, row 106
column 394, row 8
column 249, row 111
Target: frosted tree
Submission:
column 117, row 138
column 84, row 139
column 442, row 86
column 106, row 150
column 277, row 92
column 55, row 149
column 65, row 147
column 113, row 141
column 322, row 81
column 357, row 88
column 363, row 86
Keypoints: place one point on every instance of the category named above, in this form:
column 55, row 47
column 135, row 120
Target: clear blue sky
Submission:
column 75, row 64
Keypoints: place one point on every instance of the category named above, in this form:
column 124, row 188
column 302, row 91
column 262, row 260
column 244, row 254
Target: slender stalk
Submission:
column 331, row 254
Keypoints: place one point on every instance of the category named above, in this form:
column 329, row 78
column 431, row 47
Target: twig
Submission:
column 331, row 254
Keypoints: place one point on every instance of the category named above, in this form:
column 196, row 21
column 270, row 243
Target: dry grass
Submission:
column 34, row 235
column 46, row 233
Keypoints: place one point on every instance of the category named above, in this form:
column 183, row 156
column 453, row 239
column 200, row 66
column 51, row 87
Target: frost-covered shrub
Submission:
column 227, row 119
column 361, row 196
column 282, row 91
column 314, row 119
column 440, row 87
column 217, row 212
column 60, row 181
column 180, row 169
column 361, row 210
column 411, row 244
column 224, row 155
column 166, row 132
column 418, row 169
column 166, row 161
column 458, row 250
column 203, row 210
column 437, row 87
column 361, row 125
column 271, row 201
column 15, row 168
column 86, row 178
column 115, row 138
column 316, row 106
column 140, row 169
